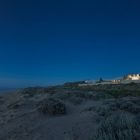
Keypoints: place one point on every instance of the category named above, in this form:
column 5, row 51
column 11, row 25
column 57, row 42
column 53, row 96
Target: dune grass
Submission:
column 119, row 126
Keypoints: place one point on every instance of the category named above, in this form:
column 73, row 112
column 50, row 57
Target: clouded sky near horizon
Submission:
column 50, row 42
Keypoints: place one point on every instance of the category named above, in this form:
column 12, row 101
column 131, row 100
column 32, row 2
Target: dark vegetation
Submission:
column 119, row 109
column 116, row 91
column 119, row 126
column 52, row 106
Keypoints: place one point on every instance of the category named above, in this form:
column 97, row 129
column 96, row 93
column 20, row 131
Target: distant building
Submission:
column 132, row 77
column 116, row 81
column 122, row 80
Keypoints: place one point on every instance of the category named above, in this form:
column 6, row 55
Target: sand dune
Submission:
column 86, row 112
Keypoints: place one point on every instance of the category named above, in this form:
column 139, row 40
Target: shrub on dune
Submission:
column 52, row 106
column 119, row 126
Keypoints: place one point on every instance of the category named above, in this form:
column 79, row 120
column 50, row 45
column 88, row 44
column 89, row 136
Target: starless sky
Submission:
column 53, row 41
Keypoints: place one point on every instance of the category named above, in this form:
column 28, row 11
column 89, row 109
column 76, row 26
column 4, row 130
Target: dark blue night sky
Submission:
column 50, row 42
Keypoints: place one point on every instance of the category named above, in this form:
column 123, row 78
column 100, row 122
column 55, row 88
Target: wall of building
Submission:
column 133, row 77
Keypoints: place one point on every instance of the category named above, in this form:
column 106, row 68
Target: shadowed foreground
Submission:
column 69, row 112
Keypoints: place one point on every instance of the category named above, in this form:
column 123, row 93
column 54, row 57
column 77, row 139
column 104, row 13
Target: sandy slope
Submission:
column 21, row 120
column 25, row 122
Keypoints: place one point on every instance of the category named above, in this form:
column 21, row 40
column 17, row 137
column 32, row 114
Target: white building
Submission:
column 132, row 77
column 122, row 80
